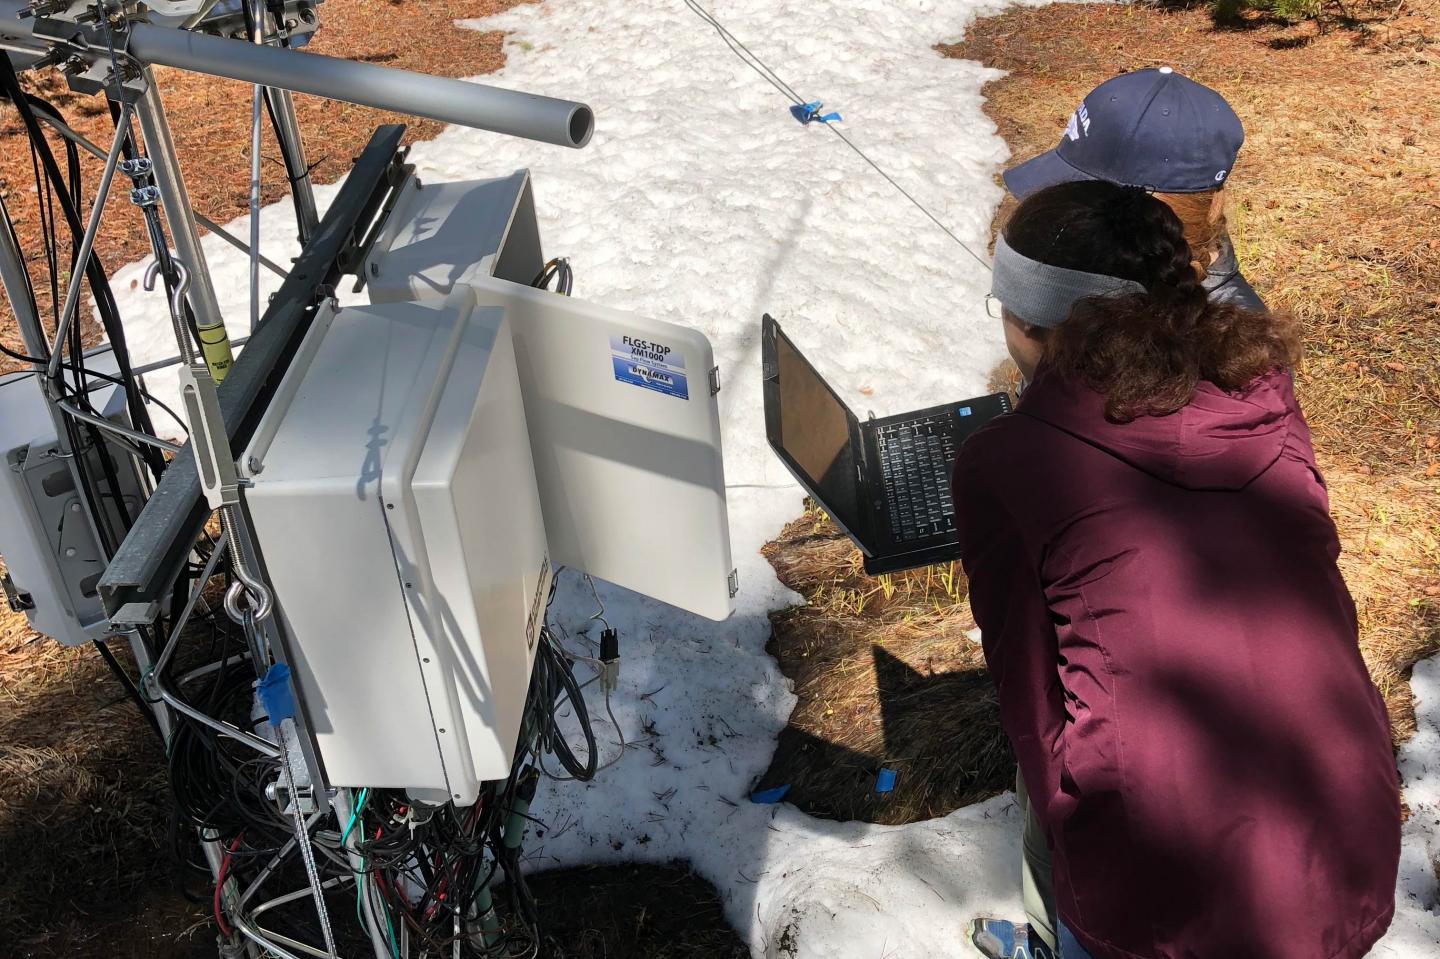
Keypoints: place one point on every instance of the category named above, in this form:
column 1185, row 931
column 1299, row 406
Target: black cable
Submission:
column 552, row 676
column 131, row 689
column 294, row 172
column 94, row 270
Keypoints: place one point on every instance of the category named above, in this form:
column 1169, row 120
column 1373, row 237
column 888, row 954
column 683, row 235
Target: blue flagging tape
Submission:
column 768, row 797
column 276, row 696
column 884, row 780
column 810, row 113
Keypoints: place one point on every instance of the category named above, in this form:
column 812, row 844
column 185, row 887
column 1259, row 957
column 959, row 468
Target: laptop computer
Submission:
column 885, row 482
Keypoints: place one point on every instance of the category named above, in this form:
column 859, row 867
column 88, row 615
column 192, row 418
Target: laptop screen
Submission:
column 815, row 432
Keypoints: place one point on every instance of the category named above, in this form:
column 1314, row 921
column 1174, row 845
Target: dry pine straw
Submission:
column 1335, row 212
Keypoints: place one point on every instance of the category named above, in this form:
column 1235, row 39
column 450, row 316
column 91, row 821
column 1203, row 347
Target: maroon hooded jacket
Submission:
column 1176, row 658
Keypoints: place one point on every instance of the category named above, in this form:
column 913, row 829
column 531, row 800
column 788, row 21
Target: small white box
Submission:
column 396, row 511
column 51, row 554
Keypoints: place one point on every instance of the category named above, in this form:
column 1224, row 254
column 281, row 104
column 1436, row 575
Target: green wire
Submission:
column 360, row 876
column 359, row 891
column 354, row 814
column 390, row 928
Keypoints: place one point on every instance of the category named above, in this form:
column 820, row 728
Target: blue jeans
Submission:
column 1070, row 947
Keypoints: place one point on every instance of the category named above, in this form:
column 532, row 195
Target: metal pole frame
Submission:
column 175, row 199
column 152, row 555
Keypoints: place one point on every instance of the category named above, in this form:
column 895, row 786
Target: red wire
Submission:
column 220, row 884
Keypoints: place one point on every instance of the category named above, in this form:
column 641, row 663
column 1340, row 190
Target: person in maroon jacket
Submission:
column 1152, row 565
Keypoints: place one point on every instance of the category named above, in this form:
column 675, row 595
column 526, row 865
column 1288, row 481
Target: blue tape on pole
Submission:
column 276, row 696
column 810, row 113
column 768, row 797
column 885, row 780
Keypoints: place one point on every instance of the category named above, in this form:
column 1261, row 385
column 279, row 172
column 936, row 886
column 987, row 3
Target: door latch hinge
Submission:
column 19, row 601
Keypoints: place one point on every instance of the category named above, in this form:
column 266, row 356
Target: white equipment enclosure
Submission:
column 395, row 502
column 424, row 469
column 622, row 409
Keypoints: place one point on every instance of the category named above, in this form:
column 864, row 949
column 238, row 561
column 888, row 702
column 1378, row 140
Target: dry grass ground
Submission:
column 1335, row 212
column 886, row 676
column 85, row 862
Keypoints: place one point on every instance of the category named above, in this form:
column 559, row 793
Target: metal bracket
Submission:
column 357, row 261
column 714, row 380
column 278, row 793
column 201, row 403
column 734, row 580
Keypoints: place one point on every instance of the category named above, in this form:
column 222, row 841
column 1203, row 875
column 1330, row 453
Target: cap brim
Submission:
column 1037, row 173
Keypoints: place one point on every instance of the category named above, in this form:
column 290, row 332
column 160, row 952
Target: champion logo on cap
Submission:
column 1150, row 128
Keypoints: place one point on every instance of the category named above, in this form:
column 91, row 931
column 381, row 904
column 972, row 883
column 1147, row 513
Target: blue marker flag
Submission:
column 276, row 697
column 768, row 797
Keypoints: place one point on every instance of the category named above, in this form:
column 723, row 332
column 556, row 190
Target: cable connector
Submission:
column 609, row 660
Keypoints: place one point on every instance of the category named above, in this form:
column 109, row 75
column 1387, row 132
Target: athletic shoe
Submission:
column 1002, row 939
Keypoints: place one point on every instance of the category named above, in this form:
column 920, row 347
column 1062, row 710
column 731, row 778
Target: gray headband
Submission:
column 1043, row 295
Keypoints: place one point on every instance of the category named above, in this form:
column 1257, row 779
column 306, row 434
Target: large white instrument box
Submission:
column 394, row 502
column 432, row 459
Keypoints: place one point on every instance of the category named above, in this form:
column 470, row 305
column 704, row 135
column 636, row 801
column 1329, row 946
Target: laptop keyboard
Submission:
column 915, row 459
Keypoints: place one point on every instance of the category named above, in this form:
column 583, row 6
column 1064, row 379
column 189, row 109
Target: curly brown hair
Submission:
column 1145, row 352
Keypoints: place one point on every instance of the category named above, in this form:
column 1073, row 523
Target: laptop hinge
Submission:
column 862, row 462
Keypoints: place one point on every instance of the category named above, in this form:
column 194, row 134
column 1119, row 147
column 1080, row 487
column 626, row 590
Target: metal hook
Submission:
column 261, row 601
column 259, row 597
column 182, row 284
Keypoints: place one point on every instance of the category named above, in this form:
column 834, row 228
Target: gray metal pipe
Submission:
column 175, row 199
column 561, row 122
column 546, row 119
column 301, row 188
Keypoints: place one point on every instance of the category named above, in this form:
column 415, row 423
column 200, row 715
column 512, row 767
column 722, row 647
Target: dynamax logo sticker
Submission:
column 648, row 364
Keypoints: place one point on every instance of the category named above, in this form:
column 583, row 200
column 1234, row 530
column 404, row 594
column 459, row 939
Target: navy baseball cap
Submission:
column 1151, row 128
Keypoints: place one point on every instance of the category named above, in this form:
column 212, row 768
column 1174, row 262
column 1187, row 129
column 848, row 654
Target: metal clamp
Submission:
column 145, row 196
column 137, row 167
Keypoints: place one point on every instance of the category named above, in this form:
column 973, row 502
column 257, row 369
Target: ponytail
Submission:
column 1145, row 352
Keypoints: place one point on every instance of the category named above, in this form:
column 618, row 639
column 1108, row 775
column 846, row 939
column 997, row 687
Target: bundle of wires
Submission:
column 436, row 877
column 557, row 271
column 435, row 870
